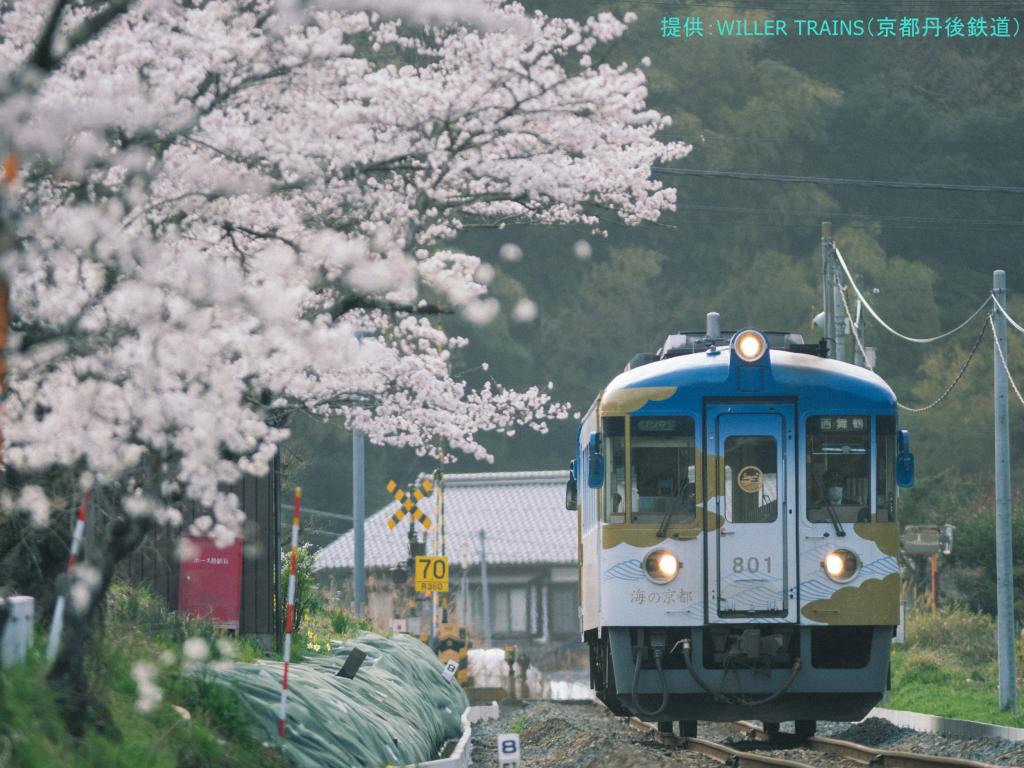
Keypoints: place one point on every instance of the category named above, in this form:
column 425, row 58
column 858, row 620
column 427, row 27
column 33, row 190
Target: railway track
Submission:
column 815, row 752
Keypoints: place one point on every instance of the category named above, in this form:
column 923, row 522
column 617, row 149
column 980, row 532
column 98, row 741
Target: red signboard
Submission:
column 210, row 585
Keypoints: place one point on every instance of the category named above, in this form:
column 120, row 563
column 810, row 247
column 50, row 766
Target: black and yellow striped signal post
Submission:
column 407, row 505
column 450, row 639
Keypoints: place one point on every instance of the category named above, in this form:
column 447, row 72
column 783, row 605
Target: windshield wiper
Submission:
column 833, row 517
column 687, row 495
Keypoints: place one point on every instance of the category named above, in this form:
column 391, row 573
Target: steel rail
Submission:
column 719, row 752
column 873, row 756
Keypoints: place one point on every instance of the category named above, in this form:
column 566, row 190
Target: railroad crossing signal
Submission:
column 432, row 574
column 406, row 503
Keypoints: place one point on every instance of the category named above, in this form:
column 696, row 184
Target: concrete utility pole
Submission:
column 359, row 518
column 827, row 282
column 486, row 591
column 359, row 514
column 1004, row 536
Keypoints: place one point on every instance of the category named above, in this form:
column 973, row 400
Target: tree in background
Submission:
column 829, row 107
column 217, row 200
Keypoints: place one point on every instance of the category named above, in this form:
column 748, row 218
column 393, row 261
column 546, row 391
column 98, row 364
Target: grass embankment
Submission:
column 949, row 667
column 211, row 728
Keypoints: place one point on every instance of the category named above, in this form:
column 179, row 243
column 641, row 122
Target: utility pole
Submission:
column 827, row 283
column 1004, row 536
column 359, row 518
column 464, row 587
column 486, row 591
column 359, row 513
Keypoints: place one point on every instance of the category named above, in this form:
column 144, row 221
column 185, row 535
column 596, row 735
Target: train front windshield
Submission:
column 660, row 474
column 839, row 464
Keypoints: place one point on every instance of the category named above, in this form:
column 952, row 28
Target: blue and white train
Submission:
column 738, row 542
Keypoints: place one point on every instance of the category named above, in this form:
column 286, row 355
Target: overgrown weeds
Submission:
column 192, row 722
column 949, row 667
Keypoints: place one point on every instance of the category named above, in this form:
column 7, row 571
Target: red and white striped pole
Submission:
column 57, row 625
column 290, row 615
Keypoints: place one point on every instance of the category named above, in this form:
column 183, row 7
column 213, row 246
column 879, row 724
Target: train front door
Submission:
column 751, row 525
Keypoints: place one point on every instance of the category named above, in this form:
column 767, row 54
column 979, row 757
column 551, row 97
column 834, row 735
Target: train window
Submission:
column 751, row 479
column 839, row 469
column 885, row 438
column 614, row 449
column 663, row 474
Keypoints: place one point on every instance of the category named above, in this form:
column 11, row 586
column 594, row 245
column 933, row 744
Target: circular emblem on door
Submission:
column 750, row 479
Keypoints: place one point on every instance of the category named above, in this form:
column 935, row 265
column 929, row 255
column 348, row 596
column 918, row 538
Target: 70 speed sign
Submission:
column 432, row 574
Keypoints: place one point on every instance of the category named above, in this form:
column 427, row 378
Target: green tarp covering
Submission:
column 398, row 710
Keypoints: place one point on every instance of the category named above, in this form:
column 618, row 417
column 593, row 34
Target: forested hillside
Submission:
column 928, row 112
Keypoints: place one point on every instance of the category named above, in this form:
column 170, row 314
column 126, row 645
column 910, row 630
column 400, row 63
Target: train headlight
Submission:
column 661, row 566
column 750, row 346
column 841, row 564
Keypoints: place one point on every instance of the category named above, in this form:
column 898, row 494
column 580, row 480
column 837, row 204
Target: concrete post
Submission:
column 545, row 626
column 1004, row 535
column 486, row 591
column 359, row 520
column 827, row 280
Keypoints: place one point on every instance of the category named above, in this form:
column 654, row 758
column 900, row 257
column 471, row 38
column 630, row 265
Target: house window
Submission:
column 564, row 612
column 508, row 610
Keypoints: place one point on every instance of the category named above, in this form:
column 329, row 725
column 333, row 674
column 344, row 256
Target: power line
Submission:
column 884, row 183
column 955, row 381
column 1006, row 314
column 705, row 136
column 889, row 328
column 1002, row 359
column 950, row 388
column 683, row 207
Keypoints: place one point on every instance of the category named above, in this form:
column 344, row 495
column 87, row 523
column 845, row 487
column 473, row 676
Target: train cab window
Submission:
column 839, row 469
column 751, row 479
column 885, row 438
column 615, row 469
column 663, row 473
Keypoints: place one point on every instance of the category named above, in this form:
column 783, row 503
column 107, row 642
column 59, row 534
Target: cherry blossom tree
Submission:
column 226, row 212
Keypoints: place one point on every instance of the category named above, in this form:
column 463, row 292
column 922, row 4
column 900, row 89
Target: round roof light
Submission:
column 750, row 345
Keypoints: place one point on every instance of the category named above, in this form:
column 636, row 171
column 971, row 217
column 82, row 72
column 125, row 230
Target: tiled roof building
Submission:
column 531, row 544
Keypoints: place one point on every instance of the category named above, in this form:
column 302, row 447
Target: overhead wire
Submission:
column 871, row 311
column 952, row 385
column 853, row 324
column 1002, row 359
column 1006, row 314
column 887, row 183
column 930, row 220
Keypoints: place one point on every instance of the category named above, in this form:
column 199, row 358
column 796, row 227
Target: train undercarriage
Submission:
column 768, row 672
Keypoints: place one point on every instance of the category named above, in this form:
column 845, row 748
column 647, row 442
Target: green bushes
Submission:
column 954, row 646
column 949, row 667
column 345, row 624
column 926, row 667
column 968, row 637
column 307, row 595
column 211, row 729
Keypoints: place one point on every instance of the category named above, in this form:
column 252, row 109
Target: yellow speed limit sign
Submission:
column 432, row 574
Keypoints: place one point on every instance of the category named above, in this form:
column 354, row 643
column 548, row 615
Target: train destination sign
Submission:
column 432, row 574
